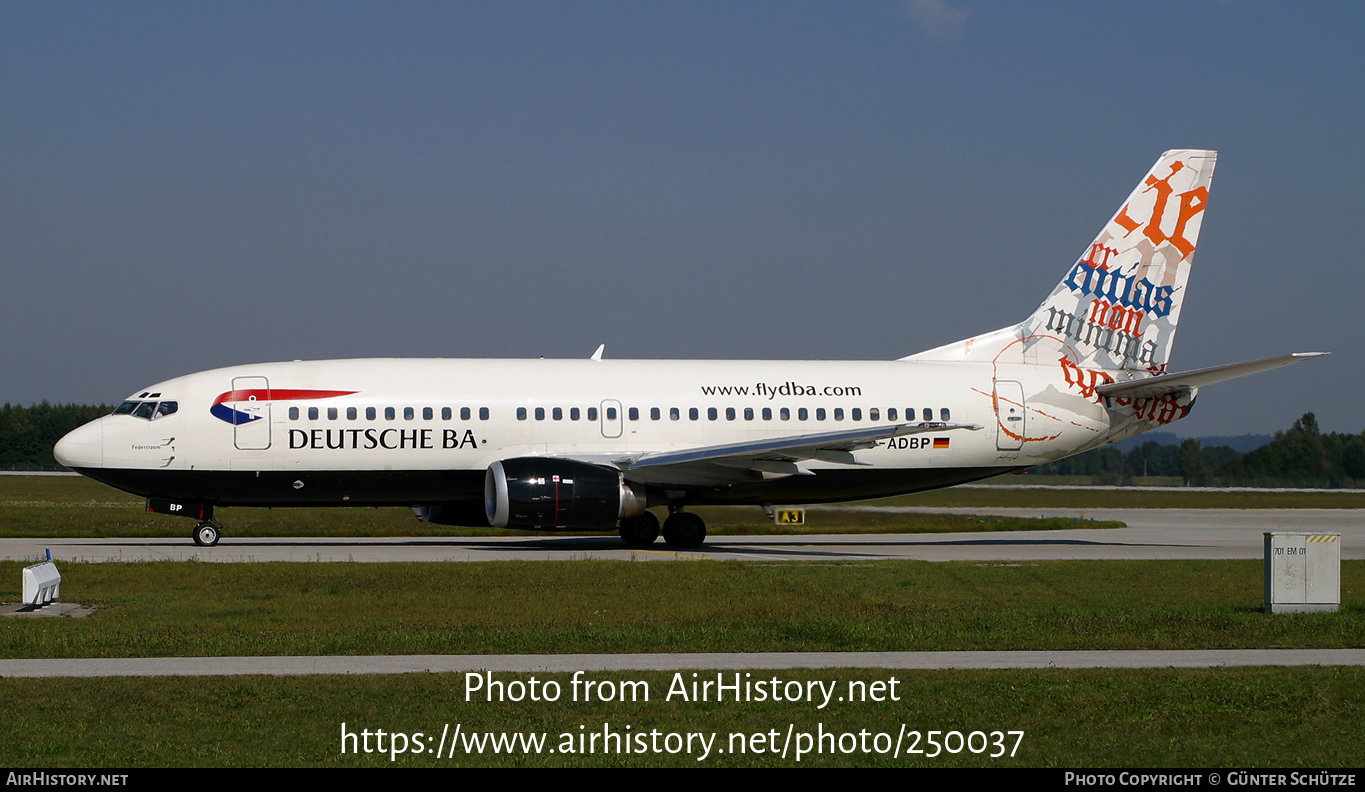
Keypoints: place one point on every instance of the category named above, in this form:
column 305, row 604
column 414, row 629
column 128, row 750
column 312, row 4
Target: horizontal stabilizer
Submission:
column 1173, row 383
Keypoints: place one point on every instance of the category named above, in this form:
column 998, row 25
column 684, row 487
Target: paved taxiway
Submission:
column 1151, row 534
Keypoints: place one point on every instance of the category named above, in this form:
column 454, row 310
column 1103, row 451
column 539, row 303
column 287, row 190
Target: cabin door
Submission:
column 611, row 418
column 251, row 413
column 1010, row 415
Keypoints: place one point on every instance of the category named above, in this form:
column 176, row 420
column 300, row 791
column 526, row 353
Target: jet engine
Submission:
column 535, row 492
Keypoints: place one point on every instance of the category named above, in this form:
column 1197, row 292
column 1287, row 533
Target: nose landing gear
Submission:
column 206, row 533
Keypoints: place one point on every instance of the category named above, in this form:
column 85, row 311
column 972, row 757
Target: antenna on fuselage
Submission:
column 598, row 354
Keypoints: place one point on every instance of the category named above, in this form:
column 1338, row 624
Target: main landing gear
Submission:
column 206, row 533
column 682, row 530
column 640, row 531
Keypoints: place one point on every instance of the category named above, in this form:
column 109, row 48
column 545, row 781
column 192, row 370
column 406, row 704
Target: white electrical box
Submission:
column 1302, row 572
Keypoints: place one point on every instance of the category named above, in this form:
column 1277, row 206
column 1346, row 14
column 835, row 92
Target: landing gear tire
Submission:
column 640, row 531
column 206, row 533
column 684, row 531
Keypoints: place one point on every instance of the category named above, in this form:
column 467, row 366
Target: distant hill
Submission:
column 1239, row 443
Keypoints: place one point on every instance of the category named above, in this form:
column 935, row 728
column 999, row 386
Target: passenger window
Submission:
column 611, row 413
column 557, row 414
column 332, row 414
column 654, row 414
column 767, row 413
column 874, row 414
column 592, row 413
column 427, row 414
column 819, row 413
column 674, row 414
column 943, row 414
column 574, row 414
column 312, row 413
column 521, row 413
column 483, row 413
column 446, row 413
column 729, row 413
column 634, row 413
column 891, row 413
column 785, row 414
column 390, row 414
column 928, row 413
column 540, row 413
column 838, row 413
column 802, row 414
column 748, row 413
column 369, row 413
column 350, row 413
column 293, row 413
column 712, row 413
column 857, row 414
column 409, row 413
column 466, row 414
column 693, row 414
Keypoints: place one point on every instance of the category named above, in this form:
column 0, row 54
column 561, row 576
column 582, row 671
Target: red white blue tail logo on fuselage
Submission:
column 223, row 412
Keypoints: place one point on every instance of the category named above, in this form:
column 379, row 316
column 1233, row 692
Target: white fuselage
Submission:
column 392, row 416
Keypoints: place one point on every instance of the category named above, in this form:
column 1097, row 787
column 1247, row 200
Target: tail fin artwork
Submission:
column 1118, row 306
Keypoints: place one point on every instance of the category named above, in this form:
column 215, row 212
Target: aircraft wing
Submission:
column 1173, row 383
column 779, row 454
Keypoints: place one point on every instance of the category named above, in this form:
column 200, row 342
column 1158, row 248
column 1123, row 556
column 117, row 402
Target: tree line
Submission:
column 27, row 434
column 1299, row 456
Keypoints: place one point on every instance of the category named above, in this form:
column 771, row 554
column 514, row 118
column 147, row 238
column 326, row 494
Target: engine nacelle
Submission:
column 535, row 492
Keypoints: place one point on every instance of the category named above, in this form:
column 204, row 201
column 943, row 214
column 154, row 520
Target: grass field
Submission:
column 1221, row 717
column 190, row 609
column 1173, row 498
column 1304, row 717
column 69, row 507
column 1260, row 717
column 72, row 507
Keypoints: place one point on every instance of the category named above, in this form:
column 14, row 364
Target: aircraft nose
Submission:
column 82, row 447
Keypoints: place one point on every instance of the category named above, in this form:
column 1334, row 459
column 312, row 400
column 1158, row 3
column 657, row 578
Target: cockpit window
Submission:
column 149, row 410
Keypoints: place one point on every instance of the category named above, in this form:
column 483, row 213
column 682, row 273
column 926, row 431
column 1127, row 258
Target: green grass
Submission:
column 69, row 507
column 1218, row 717
column 193, row 609
column 1175, row 498
column 1224, row 717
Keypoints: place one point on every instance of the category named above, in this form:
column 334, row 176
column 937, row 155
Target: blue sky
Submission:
column 192, row 185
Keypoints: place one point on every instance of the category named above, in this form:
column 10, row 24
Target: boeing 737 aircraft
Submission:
column 594, row 443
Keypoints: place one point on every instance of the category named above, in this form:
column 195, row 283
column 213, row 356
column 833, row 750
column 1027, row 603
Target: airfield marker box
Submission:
column 1302, row 572
column 42, row 584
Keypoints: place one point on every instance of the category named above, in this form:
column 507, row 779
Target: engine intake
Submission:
column 534, row 492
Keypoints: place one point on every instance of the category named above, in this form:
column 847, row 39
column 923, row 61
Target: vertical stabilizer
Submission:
column 1118, row 306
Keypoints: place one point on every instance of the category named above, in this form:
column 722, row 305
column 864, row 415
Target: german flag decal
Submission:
column 940, row 442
